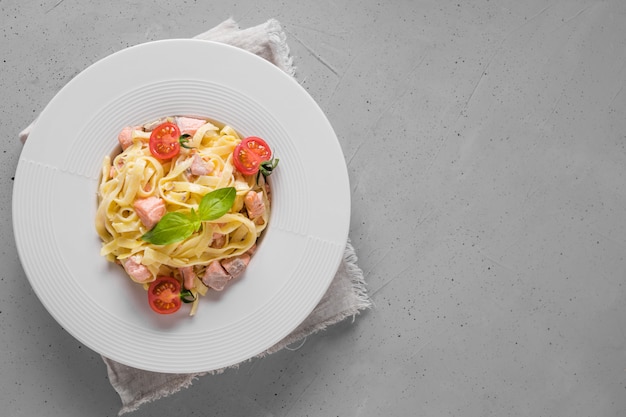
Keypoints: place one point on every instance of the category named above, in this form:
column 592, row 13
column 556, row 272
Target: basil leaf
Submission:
column 193, row 216
column 173, row 227
column 216, row 203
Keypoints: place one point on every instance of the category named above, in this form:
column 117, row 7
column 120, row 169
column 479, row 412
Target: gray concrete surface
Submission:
column 486, row 146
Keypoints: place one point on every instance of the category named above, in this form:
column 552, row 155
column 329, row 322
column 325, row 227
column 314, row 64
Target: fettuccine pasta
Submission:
column 137, row 189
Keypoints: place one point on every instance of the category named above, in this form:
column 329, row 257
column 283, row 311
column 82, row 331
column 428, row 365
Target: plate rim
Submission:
column 23, row 160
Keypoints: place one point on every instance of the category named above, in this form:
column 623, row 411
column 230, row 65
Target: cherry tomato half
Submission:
column 249, row 155
column 164, row 141
column 164, row 295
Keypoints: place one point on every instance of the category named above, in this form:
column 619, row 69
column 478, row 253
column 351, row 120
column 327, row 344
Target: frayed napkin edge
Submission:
column 277, row 40
column 185, row 382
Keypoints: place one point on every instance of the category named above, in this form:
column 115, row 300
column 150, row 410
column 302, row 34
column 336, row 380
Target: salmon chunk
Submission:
column 219, row 240
column 236, row 265
column 216, row 276
column 199, row 166
column 189, row 276
column 136, row 270
column 254, row 204
column 125, row 137
column 150, row 210
column 189, row 125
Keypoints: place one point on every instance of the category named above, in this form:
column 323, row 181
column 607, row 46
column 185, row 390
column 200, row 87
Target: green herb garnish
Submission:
column 266, row 168
column 183, row 140
column 175, row 226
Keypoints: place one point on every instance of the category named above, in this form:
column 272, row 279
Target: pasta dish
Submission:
column 181, row 207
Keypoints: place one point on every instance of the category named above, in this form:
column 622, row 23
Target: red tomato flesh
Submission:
column 250, row 153
column 164, row 142
column 164, row 295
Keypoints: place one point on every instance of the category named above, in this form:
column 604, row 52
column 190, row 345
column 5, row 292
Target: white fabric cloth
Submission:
column 346, row 296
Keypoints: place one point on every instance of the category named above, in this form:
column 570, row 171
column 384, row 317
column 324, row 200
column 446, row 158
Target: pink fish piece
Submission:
column 189, row 125
column 189, row 276
column 136, row 270
column 254, row 204
column 216, row 276
column 199, row 166
column 219, row 240
column 125, row 137
column 150, row 210
column 236, row 265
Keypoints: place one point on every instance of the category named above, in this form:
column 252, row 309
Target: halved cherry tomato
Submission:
column 164, row 141
column 250, row 154
column 164, row 295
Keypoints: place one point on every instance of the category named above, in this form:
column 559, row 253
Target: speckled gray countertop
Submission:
column 485, row 142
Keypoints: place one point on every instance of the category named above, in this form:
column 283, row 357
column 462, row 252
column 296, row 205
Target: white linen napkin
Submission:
column 347, row 295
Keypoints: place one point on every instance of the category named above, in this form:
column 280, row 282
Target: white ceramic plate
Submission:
column 54, row 203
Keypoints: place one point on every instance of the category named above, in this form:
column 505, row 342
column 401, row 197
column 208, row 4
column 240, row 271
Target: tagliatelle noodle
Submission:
column 136, row 174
